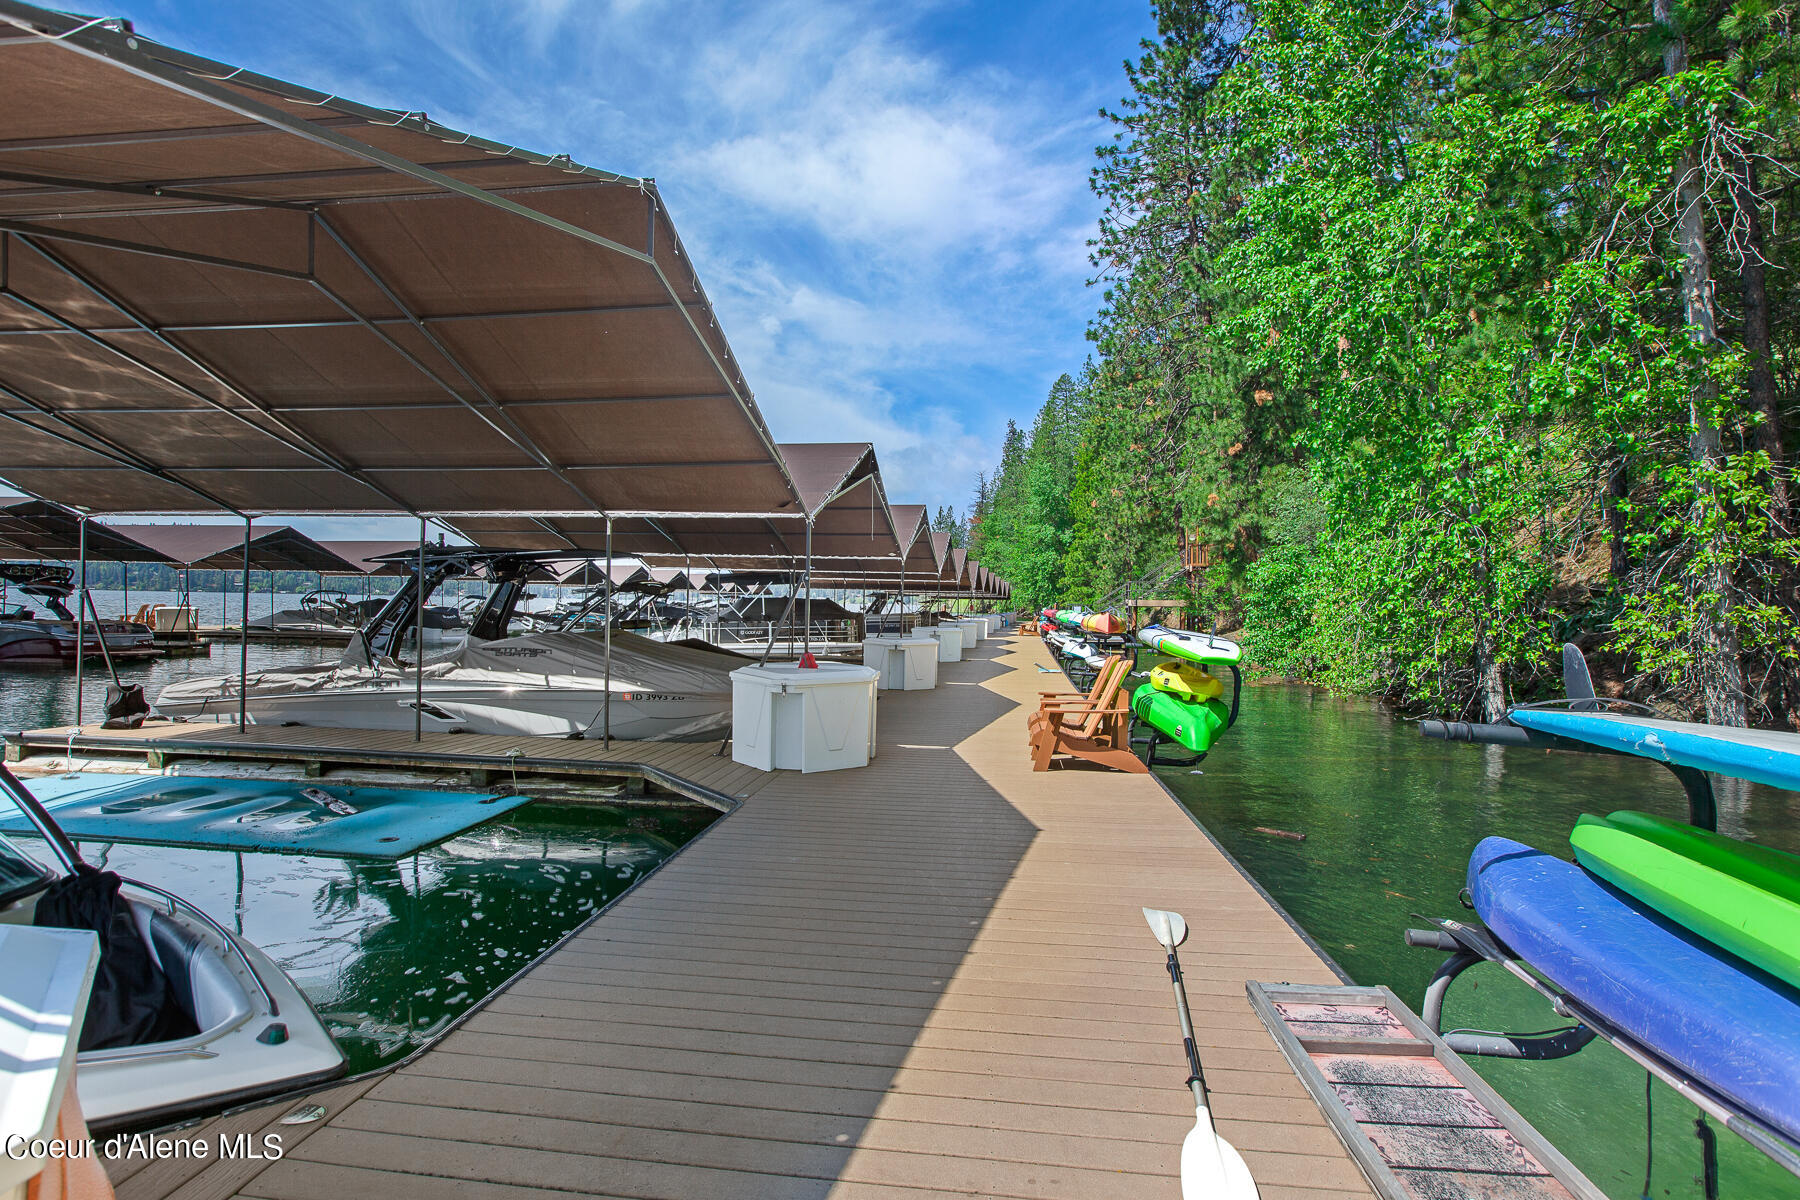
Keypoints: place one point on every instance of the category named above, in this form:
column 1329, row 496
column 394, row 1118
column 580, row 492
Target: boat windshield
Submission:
column 24, row 851
column 20, row 874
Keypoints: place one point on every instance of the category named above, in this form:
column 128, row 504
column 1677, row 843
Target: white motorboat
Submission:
column 244, row 1031
column 550, row 684
column 319, row 611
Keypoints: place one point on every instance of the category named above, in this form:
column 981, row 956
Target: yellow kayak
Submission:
column 1189, row 681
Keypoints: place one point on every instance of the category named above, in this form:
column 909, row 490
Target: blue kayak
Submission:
column 1727, row 1024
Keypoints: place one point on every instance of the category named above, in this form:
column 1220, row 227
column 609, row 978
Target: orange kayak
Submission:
column 1102, row 623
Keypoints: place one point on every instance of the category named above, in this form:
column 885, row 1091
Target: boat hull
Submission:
column 27, row 644
column 1186, row 681
column 1195, row 725
column 236, row 1061
column 1194, row 647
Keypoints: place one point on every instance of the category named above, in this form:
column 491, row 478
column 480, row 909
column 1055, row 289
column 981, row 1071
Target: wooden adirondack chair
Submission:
column 1106, row 680
column 1095, row 727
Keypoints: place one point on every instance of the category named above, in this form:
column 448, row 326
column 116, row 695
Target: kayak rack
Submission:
column 1703, row 810
column 1155, row 740
column 1469, row 943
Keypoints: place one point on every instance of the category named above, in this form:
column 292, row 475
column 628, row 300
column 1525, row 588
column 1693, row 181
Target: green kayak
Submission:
column 1195, row 725
column 1742, row 897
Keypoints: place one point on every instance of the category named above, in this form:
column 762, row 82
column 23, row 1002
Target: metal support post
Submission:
column 419, row 644
column 606, row 699
column 244, row 639
column 81, row 622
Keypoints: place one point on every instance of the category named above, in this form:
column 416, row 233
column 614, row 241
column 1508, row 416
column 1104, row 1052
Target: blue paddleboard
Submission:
column 1729, row 1025
column 1760, row 755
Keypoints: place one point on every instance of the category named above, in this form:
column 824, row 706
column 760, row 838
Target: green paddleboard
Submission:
column 1742, row 897
column 1195, row 725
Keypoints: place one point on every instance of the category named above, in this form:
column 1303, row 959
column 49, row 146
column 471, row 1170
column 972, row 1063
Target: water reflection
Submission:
column 390, row 952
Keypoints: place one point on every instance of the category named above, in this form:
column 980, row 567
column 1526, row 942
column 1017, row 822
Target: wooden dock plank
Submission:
column 925, row 978
column 671, row 764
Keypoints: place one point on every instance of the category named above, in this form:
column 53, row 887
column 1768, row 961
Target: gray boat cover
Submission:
column 571, row 661
column 643, row 665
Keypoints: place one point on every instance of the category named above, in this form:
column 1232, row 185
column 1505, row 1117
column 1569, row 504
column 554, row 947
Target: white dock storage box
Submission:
column 974, row 629
column 907, row 664
column 949, row 639
column 790, row 718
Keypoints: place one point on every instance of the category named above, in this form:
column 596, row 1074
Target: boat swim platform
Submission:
column 927, row 977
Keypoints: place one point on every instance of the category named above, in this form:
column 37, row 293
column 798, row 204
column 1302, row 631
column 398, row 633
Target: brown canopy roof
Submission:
column 229, row 292
column 840, row 487
column 920, row 561
column 940, row 549
column 587, row 572
column 909, row 527
column 375, row 557
column 51, row 531
column 272, row 547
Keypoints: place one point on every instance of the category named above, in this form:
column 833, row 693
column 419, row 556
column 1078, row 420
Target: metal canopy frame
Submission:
column 57, row 222
column 267, row 201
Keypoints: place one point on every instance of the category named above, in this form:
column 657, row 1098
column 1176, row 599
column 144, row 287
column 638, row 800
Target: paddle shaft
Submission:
column 1196, row 1077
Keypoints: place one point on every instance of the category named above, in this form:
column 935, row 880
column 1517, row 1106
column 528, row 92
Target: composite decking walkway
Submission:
column 929, row 977
column 698, row 769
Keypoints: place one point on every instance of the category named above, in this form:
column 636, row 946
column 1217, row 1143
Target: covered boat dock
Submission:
column 925, row 978
column 228, row 294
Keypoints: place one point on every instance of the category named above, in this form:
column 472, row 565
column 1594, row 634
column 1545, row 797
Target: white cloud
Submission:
column 876, row 145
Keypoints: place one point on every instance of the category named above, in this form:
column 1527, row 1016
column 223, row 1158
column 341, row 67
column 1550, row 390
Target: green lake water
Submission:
column 1390, row 819
column 391, row 952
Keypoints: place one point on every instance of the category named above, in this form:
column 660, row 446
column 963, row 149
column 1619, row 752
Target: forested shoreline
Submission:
column 1446, row 335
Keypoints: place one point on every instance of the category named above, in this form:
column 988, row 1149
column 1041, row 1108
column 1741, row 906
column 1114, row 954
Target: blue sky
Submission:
column 887, row 202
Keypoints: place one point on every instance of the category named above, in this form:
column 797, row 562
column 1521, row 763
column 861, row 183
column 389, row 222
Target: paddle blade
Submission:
column 1168, row 927
column 1211, row 1167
